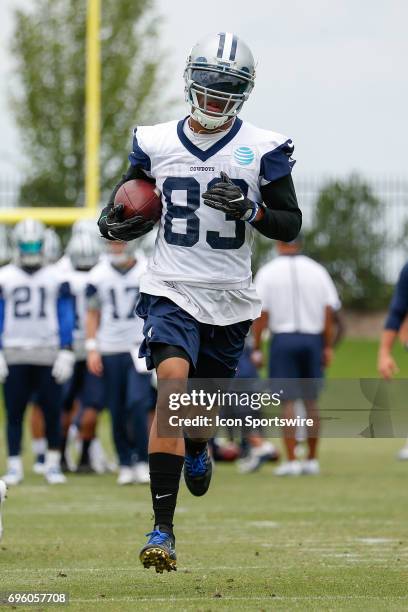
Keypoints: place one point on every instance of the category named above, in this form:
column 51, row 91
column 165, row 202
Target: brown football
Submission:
column 139, row 197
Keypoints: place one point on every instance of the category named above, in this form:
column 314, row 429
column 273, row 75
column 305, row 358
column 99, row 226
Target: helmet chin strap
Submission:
column 208, row 122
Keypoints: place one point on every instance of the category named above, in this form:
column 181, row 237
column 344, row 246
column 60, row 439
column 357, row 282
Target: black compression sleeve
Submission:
column 133, row 172
column 282, row 218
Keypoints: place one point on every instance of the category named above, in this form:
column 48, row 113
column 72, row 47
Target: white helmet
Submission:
column 88, row 226
column 119, row 253
column 84, row 250
column 28, row 242
column 5, row 247
column 52, row 245
column 219, row 76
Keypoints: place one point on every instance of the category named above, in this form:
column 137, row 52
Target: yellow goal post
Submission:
column 64, row 215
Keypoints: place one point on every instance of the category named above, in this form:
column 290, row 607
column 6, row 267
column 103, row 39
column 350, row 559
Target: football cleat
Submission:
column 39, row 467
column 289, row 468
column 198, row 472
column 3, row 495
column 54, row 476
column 125, row 476
column 141, row 473
column 256, row 457
column 311, row 467
column 159, row 552
column 12, row 477
column 402, row 454
column 14, row 474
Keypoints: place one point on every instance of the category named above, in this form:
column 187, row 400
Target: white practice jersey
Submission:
column 78, row 282
column 64, row 264
column 198, row 246
column 295, row 291
column 117, row 293
column 30, row 330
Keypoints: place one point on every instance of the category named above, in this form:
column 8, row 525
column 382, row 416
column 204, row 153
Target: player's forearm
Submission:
column 65, row 316
column 282, row 217
column 328, row 335
column 258, row 327
column 92, row 323
column 387, row 341
column 279, row 224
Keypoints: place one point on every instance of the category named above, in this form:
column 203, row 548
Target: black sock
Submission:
column 63, row 446
column 85, row 452
column 165, row 472
column 194, row 447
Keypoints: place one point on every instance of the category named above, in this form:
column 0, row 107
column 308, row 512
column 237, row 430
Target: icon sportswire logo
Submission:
column 244, row 155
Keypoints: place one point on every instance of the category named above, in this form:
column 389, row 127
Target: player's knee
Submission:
column 171, row 362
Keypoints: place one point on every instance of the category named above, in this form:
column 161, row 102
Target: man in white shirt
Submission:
column 298, row 304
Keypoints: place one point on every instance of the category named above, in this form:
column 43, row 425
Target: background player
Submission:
column 85, row 391
column 397, row 312
column 114, row 334
column 197, row 298
column 52, row 253
column 36, row 324
column 298, row 302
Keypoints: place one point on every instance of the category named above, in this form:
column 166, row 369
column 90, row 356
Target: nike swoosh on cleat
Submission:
column 160, row 496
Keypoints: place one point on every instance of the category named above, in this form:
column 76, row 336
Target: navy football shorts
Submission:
column 298, row 356
column 84, row 386
column 213, row 350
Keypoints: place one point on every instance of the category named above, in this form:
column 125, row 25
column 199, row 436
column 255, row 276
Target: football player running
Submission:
column 222, row 179
column 36, row 325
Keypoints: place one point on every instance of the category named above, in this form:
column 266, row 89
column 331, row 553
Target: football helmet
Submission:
column 52, row 246
column 84, row 250
column 120, row 253
column 219, row 76
column 28, row 242
column 88, row 226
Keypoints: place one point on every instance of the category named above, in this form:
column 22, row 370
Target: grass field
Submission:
column 334, row 542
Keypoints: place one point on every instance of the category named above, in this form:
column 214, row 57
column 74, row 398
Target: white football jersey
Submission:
column 30, row 332
column 120, row 329
column 197, row 244
column 295, row 291
column 64, row 264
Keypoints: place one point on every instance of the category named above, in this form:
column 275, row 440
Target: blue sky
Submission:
column 331, row 75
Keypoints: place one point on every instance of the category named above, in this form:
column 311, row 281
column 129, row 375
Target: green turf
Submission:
column 338, row 541
column 334, row 542
column 356, row 358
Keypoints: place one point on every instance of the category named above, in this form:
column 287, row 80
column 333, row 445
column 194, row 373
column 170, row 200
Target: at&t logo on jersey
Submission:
column 244, row 156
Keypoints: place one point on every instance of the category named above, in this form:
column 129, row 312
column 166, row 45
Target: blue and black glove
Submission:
column 228, row 197
column 113, row 226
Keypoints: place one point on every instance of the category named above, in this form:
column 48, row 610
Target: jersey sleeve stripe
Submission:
column 277, row 163
column 138, row 157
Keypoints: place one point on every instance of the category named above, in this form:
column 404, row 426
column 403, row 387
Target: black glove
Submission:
column 113, row 226
column 228, row 198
